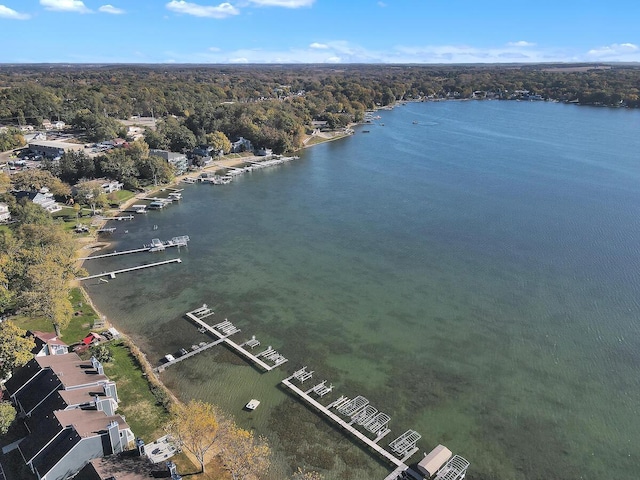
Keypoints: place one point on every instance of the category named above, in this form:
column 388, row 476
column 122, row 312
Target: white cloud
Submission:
column 223, row 10
column 616, row 52
column 283, row 3
column 65, row 5
column 111, row 9
column 214, row 49
column 521, row 43
column 382, row 4
column 6, row 12
column 318, row 45
column 238, row 60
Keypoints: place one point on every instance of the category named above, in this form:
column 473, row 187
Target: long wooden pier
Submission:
column 399, row 463
column 113, row 254
column 193, row 315
column 130, row 269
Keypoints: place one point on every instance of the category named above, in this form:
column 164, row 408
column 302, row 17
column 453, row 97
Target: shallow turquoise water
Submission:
column 474, row 274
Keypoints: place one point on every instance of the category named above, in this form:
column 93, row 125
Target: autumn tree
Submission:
column 7, row 416
column 35, row 179
column 15, row 349
column 48, row 294
column 196, row 427
column 219, row 142
column 303, row 474
column 42, row 266
column 243, row 454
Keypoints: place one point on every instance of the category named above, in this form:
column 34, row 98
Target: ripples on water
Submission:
column 474, row 274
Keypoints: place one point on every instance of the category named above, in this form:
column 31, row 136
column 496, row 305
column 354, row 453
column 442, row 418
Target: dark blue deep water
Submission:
column 472, row 268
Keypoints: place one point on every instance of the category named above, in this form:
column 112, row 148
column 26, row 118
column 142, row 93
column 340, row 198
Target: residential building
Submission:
column 111, row 186
column 47, row 344
column 68, row 407
column 241, row 145
column 178, row 160
column 264, row 152
column 42, row 197
column 5, row 215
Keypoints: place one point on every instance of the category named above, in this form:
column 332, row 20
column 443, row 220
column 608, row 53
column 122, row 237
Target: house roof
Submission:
column 56, row 451
column 123, row 467
column 78, row 396
column 38, row 389
column 44, row 338
column 42, row 431
column 89, row 422
column 72, row 371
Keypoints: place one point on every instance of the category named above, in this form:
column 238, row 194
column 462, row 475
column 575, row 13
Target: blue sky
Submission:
column 318, row 31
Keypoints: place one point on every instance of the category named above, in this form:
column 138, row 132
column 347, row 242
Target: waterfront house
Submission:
column 241, row 145
column 42, row 197
column 264, row 152
column 111, row 186
column 47, row 344
column 68, row 407
column 178, row 160
column 5, row 215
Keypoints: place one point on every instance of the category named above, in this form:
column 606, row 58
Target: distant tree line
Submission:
column 271, row 105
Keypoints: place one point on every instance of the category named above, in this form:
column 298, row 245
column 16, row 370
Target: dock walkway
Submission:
column 131, row 269
column 197, row 317
column 400, row 463
column 190, row 354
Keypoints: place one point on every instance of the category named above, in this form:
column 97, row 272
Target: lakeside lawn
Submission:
column 118, row 197
column 79, row 327
column 137, row 402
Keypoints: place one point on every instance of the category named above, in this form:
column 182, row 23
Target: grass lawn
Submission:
column 120, row 196
column 137, row 403
column 186, row 467
column 78, row 328
column 70, row 219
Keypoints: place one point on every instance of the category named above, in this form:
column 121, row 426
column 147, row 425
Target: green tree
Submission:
column 10, row 139
column 102, row 353
column 7, row 416
column 15, row 349
column 90, row 192
column 35, row 179
column 117, row 165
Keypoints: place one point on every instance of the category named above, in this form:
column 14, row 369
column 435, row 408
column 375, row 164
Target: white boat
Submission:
column 253, row 404
column 169, row 358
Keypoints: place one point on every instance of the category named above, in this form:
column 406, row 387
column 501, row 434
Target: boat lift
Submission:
column 405, row 443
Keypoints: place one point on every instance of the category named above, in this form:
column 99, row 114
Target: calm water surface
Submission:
column 474, row 274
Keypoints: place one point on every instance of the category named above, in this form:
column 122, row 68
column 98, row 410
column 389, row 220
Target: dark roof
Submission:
column 38, row 389
column 60, row 447
column 29, row 195
column 42, row 431
column 51, row 404
column 21, row 376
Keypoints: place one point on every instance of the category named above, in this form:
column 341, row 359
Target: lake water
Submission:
column 472, row 268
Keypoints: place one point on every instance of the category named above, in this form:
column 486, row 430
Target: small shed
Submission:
column 91, row 338
column 434, row 461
